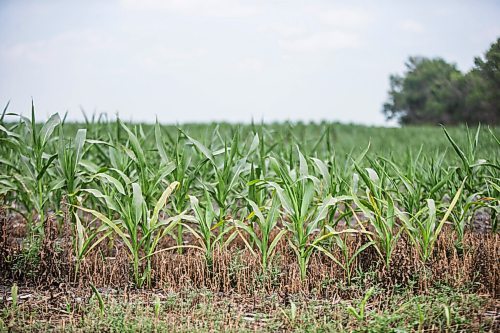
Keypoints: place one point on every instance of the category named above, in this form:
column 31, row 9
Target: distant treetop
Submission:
column 432, row 91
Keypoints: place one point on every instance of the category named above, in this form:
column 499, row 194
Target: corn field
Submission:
column 343, row 195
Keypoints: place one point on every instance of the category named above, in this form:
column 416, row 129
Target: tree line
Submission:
column 433, row 91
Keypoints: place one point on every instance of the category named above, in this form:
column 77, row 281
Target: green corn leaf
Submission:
column 113, row 181
column 137, row 202
column 136, row 146
column 457, row 149
column 303, row 167
column 204, row 150
column 110, row 202
column 450, row 209
column 48, row 128
column 80, row 137
column 159, row 144
column 124, row 237
column 4, row 111
column 160, row 204
column 45, row 166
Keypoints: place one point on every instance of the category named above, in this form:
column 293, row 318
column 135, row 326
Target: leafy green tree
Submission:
column 432, row 91
column 429, row 92
column 482, row 100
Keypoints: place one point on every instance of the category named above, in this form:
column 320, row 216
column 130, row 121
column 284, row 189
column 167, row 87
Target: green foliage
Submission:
column 211, row 231
column 98, row 295
column 359, row 313
column 260, row 232
column 138, row 225
column 310, row 188
column 440, row 309
column 432, row 91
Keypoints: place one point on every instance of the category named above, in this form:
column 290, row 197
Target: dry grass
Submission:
column 235, row 270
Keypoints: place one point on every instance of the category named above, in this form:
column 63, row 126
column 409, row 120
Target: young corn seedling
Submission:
column 10, row 188
column 472, row 167
column 465, row 208
column 69, row 158
column 379, row 208
column 148, row 174
column 100, row 300
column 423, row 229
column 209, row 233
column 184, row 173
column 476, row 174
column 360, row 313
column 296, row 194
column 494, row 205
column 348, row 259
column 9, row 138
column 227, row 174
column 87, row 238
column 139, row 227
column 414, row 188
column 261, row 236
column 35, row 160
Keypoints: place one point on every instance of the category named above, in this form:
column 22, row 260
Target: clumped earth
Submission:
column 107, row 226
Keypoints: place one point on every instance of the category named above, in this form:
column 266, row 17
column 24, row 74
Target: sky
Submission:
column 227, row 60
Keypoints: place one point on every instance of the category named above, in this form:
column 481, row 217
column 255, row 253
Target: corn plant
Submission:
column 9, row 146
column 8, row 136
column 412, row 188
column 476, row 174
column 100, row 300
column 261, row 236
column 333, row 183
column 227, row 174
column 466, row 207
column 184, row 173
column 147, row 174
column 423, row 229
column 494, row 205
column 87, row 238
column 209, row 232
column 139, row 226
column 348, row 259
column 359, row 313
column 379, row 209
column 296, row 194
column 472, row 167
column 69, row 158
column 34, row 163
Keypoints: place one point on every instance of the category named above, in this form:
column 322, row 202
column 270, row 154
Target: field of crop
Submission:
column 112, row 226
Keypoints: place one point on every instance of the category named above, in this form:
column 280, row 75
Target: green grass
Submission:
column 202, row 311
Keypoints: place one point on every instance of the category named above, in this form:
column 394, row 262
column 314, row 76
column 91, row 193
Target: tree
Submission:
column 429, row 92
column 483, row 87
column 432, row 91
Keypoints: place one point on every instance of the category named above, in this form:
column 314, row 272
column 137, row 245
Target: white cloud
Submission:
column 323, row 28
column 286, row 30
column 412, row 26
column 49, row 50
column 352, row 18
column 216, row 8
column 328, row 40
column 163, row 57
column 250, row 65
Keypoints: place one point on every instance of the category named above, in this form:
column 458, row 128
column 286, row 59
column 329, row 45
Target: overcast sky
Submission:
column 202, row 60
